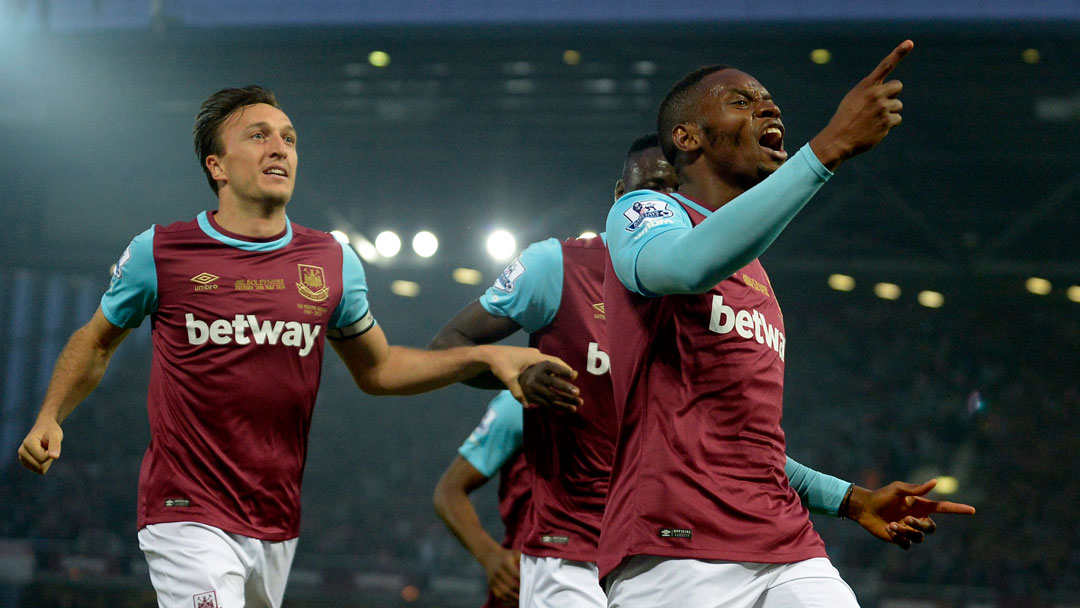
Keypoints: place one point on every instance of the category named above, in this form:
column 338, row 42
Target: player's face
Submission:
column 647, row 170
column 259, row 159
column 741, row 127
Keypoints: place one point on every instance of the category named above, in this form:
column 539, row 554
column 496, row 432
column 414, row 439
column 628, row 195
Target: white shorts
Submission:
column 552, row 582
column 194, row 565
column 660, row 582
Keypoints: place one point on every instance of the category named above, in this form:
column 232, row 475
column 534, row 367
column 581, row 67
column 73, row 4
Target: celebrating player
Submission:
column 570, row 455
column 700, row 512
column 241, row 301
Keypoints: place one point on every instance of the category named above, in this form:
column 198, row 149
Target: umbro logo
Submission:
column 599, row 308
column 205, row 281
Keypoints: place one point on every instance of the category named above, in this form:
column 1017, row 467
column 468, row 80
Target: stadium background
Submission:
column 483, row 120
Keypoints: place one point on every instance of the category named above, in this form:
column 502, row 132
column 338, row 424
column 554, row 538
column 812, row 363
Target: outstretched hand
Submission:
column 548, row 385
column 41, row 446
column 508, row 363
column 866, row 114
column 898, row 513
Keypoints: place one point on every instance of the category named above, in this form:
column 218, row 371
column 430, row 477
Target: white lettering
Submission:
column 197, row 331
column 598, row 362
column 770, row 336
column 221, row 332
column 751, row 325
column 744, row 324
column 225, row 331
column 265, row 332
column 293, row 335
column 239, row 325
column 719, row 311
column 310, row 333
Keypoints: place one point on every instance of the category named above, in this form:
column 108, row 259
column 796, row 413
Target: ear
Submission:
column 620, row 189
column 216, row 169
column 686, row 137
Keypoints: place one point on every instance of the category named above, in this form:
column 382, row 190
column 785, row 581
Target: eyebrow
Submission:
column 266, row 126
column 746, row 93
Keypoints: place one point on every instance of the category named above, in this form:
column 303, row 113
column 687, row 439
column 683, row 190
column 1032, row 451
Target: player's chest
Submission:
column 222, row 284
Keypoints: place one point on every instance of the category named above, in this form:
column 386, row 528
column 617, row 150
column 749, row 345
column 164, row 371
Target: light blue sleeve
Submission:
column 530, row 289
column 498, row 437
column 132, row 293
column 353, row 308
column 637, row 218
column 820, row 493
column 693, row 261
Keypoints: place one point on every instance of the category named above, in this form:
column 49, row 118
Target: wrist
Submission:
column 854, row 503
column 829, row 150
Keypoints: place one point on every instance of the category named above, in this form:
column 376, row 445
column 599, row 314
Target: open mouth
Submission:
column 772, row 140
column 276, row 171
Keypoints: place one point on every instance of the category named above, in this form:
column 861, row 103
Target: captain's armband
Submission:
column 355, row 330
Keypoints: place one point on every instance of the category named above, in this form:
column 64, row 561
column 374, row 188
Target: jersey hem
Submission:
column 756, row 557
column 225, row 526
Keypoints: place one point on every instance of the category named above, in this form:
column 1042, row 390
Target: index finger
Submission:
column 944, row 506
column 889, row 63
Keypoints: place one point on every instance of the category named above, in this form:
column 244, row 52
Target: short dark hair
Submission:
column 678, row 107
column 649, row 140
column 214, row 111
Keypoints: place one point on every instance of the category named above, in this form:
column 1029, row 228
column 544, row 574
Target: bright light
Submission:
column 340, row 237
column 887, row 291
column 946, row 485
column 379, row 59
column 467, row 276
column 501, row 245
column 841, row 282
column 366, row 249
column 1037, row 286
column 645, row 68
column 588, row 234
column 387, row 244
column 1031, row 56
column 406, row 289
column 931, row 299
column 820, row 56
column 571, row 57
column 1073, row 293
column 425, row 244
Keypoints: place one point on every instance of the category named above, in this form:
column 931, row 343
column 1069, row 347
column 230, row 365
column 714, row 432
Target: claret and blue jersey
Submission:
column 701, row 471
column 239, row 326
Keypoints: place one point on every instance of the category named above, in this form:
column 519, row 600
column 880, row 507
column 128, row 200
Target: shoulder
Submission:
column 312, row 236
column 176, row 227
column 592, row 242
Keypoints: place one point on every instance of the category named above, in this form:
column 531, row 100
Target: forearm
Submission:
column 820, row 493
column 78, row 371
column 457, row 512
column 693, row 261
column 408, row 371
column 452, row 337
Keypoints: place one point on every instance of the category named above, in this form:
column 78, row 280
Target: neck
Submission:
column 707, row 187
column 247, row 218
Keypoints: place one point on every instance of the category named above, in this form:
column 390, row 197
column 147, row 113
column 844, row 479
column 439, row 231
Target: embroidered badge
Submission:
column 312, row 283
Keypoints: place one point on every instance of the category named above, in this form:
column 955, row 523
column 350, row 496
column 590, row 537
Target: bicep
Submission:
column 364, row 352
column 461, row 474
column 102, row 333
column 473, row 325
